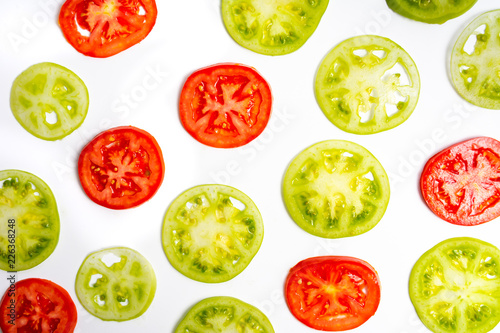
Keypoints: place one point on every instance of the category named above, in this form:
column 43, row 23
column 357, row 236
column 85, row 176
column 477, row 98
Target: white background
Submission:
column 188, row 35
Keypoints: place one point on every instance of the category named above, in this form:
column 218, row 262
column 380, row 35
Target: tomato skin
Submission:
column 469, row 164
column 216, row 109
column 43, row 303
column 129, row 27
column 334, row 283
column 98, row 161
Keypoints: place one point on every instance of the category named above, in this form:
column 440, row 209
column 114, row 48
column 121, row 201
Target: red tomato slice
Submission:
column 102, row 28
column 332, row 293
column 225, row 105
column 121, row 167
column 461, row 184
column 37, row 306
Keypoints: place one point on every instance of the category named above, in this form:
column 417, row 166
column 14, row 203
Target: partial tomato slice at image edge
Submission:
column 461, row 183
column 116, row 284
column 121, row 168
column 225, row 105
column 39, row 306
column 431, row 11
column 212, row 232
column 332, row 293
column 104, row 28
column 455, row 286
column 224, row 314
column 29, row 228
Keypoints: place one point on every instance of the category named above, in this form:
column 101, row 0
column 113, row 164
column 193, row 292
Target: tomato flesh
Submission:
column 272, row 27
column 49, row 101
column 336, row 189
column 454, row 286
column 212, row 232
column 116, row 284
column 224, row 314
column 430, row 11
column 475, row 61
column 332, row 293
column 225, row 105
column 461, row 184
column 102, row 28
column 121, row 167
column 40, row 306
column 367, row 84
column 29, row 228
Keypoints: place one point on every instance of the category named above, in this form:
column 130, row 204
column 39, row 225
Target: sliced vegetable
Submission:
column 430, row 11
column 367, row 84
column 116, row 284
column 224, row 315
column 49, row 101
column 29, row 220
column 475, row 61
column 212, row 232
column 455, row 286
column 336, row 189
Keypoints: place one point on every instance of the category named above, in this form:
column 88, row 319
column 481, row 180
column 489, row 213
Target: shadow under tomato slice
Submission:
column 40, row 306
column 461, row 184
column 225, row 105
column 102, row 28
column 121, row 167
column 332, row 293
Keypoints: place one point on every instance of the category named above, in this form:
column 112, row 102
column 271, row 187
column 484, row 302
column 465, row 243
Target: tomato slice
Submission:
column 49, row 101
column 121, row 167
column 40, row 306
column 29, row 220
column 461, row 184
column 367, row 84
column 225, row 105
column 336, row 189
column 430, row 11
column 272, row 27
column 102, row 28
column 224, row 315
column 475, row 61
column 116, row 284
column 332, row 293
column 212, row 232
column 454, row 286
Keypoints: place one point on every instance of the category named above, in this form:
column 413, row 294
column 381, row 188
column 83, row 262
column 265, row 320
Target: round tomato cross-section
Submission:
column 106, row 27
column 332, row 293
column 121, row 167
column 225, row 105
column 39, row 306
column 461, row 184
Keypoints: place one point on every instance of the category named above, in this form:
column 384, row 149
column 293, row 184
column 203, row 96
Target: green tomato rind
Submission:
column 455, row 286
column 131, row 281
column 28, row 201
column 350, row 85
column 474, row 72
column 224, row 314
column 49, row 89
column 272, row 28
column 433, row 11
column 208, row 237
column 336, row 189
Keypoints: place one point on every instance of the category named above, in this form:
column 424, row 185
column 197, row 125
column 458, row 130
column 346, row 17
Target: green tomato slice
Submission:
column 430, row 11
column 29, row 220
column 367, row 84
column 212, row 232
column 116, row 284
column 224, row 315
column 336, row 189
column 49, row 101
column 475, row 61
column 274, row 27
column 455, row 286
